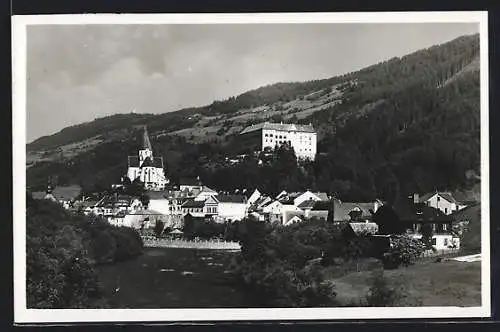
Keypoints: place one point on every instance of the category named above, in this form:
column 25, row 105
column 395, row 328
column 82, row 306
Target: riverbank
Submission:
column 152, row 242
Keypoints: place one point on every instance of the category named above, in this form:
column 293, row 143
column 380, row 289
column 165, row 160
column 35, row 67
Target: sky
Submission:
column 76, row 73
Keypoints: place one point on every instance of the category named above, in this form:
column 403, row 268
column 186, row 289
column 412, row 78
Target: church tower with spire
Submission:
column 147, row 168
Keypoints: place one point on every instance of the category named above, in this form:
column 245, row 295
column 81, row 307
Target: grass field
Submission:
column 448, row 283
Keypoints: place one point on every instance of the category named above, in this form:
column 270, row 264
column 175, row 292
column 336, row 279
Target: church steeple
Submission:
column 145, row 140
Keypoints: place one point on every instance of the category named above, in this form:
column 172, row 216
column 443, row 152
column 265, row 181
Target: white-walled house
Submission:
column 194, row 208
column 254, row 197
column 205, row 193
column 211, row 206
column 231, row 207
column 442, row 241
column 443, row 201
column 308, row 195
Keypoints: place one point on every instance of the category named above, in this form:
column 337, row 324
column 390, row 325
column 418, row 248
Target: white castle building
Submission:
column 148, row 169
column 269, row 135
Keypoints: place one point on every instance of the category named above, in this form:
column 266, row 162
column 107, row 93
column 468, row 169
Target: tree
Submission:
column 427, row 234
column 380, row 293
column 144, row 199
column 159, row 227
column 403, row 252
column 388, row 221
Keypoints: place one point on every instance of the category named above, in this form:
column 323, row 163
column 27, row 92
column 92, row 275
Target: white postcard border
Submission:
column 24, row 315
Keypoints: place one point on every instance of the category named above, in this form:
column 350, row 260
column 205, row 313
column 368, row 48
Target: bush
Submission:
column 381, row 294
column 403, row 252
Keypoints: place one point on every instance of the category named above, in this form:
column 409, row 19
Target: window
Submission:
column 445, row 210
column 445, row 227
column 433, row 227
column 438, row 198
column 266, row 135
column 445, row 241
column 434, row 241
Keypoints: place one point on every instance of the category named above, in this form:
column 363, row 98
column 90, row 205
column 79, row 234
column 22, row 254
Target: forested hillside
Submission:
column 407, row 124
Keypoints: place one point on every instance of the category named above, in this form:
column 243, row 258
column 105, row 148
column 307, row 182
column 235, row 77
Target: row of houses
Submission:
column 440, row 209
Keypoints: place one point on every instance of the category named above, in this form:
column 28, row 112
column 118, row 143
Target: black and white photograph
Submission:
column 217, row 167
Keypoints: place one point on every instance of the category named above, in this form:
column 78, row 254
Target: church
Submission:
column 147, row 168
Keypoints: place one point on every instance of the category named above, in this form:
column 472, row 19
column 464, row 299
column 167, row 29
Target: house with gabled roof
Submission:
column 443, row 201
column 205, row 193
column 308, row 195
column 353, row 211
column 193, row 207
column 229, row 207
column 415, row 215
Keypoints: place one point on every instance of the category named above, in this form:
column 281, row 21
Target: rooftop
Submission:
column 279, row 127
column 231, row 198
column 342, row 210
column 191, row 203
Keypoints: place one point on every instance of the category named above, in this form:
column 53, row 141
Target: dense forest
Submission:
column 409, row 124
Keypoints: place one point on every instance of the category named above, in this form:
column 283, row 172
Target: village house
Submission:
column 193, row 207
column 205, row 193
column 415, row 215
column 354, row 212
column 254, row 197
column 110, row 205
column 308, row 195
column 444, row 201
column 190, row 185
column 147, row 168
column 266, row 135
column 231, row 207
column 210, row 207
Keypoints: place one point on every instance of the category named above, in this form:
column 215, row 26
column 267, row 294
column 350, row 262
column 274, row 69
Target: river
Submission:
column 173, row 278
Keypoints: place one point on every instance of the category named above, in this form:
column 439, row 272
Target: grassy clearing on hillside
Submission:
column 449, row 283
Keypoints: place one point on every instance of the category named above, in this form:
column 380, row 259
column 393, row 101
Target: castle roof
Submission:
column 279, row 127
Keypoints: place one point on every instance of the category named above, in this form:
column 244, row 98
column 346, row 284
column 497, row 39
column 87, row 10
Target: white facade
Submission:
column 162, row 206
column 231, row 211
column 442, row 241
column 305, row 197
column 254, row 197
column 303, row 143
column 444, row 204
column 302, row 138
column 204, row 194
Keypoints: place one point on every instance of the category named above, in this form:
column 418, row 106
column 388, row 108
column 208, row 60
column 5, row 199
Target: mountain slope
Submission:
column 407, row 124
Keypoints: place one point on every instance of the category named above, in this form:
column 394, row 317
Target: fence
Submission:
column 152, row 242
